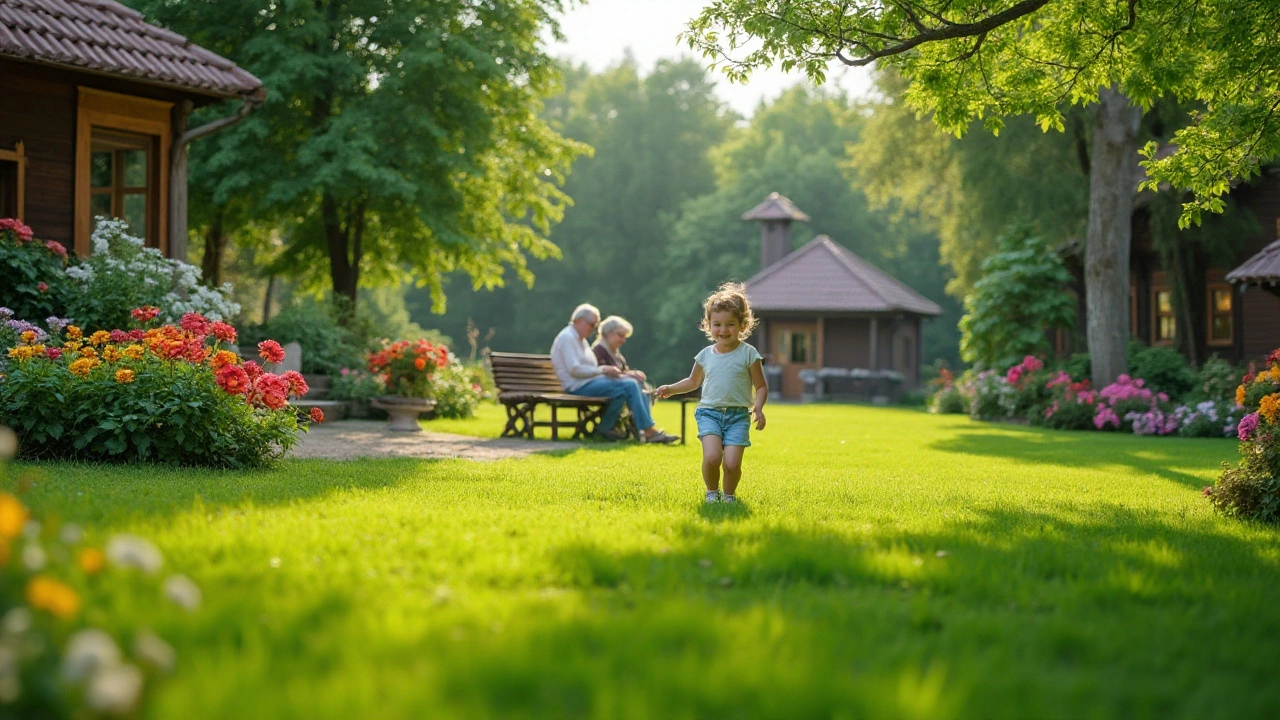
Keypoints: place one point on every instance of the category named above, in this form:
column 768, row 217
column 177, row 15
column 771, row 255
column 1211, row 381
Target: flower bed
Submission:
column 167, row 393
column 422, row 369
column 1251, row 490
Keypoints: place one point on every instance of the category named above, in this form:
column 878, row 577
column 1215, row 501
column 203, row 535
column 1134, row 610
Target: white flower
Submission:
column 33, row 557
column 87, row 651
column 31, row 529
column 182, row 592
column 149, row 648
column 16, row 622
column 114, row 689
column 133, row 551
column 71, row 534
column 83, row 273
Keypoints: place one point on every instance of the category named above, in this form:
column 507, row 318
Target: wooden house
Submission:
column 827, row 311
column 94, row 118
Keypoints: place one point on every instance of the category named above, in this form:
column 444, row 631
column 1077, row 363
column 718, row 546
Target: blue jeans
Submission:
column 620, row 391
column 731, row 424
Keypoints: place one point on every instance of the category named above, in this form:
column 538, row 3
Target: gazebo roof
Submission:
column 776, row 207
column 823, row 276
column 106, row 37
column 1261, row 269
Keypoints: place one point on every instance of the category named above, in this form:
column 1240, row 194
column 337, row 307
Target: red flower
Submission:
column 271, row 351
column 17, row 227
column 42, row 287
column 194, row 350
column 254, row 369
column 232, row 379
column 119, row 336
column 53, row 353
column 145, row 313
column 56, row 248
column 222, row 332
column 194, row 323
column 420, row 363
column 137, row 334
column 297, row 383
column 1274, row 357
column 317, row 415
column 272, row 401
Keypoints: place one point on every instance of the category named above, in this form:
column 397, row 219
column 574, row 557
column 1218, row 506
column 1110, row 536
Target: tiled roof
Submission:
column 107, row 37
column 775, row 207
column 1261, row 269
column 822, row 276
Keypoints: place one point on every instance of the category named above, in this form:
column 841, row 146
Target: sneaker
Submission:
column 713, row 496
column 613, row 435
column 729, row 499
column 661, row 438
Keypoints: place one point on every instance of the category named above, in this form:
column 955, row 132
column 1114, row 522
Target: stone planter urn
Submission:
column 403, row 411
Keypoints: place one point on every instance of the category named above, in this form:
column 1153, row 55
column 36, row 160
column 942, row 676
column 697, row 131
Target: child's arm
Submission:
column 762, row 392
column 689, row 384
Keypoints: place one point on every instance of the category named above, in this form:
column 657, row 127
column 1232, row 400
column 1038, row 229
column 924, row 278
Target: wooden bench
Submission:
column 526, row 381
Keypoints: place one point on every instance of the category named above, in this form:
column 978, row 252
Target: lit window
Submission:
column 1221, row 317
column 1166, row 325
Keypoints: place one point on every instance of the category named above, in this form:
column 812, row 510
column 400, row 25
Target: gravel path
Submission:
column 347, row 439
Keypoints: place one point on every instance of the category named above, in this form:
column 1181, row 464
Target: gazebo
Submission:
column 829, row 317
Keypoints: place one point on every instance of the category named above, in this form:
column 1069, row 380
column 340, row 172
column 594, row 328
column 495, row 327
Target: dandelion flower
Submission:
column 183, row 592
column 87, row 651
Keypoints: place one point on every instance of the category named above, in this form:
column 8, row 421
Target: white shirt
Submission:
column 573, row 360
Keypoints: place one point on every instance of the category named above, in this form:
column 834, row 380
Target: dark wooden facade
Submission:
column 867, row 341
column 1254, row 313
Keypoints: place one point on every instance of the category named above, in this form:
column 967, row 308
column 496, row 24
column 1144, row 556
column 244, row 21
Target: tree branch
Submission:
column 951, row 32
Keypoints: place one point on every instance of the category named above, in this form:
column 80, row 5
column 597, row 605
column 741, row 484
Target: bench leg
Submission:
column 588, row 421
column 555, row 422
column 519, row 420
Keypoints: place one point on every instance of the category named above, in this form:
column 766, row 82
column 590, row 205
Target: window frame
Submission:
column 1156, row 315
column 18, row 156
column 113, row 112
column 1210, row 313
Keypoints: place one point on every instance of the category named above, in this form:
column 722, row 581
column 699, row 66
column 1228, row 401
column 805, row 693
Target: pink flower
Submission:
column 1248, row 424
column 53, row 353
column 56, row 248
column 1106, row 416
column 119, row 336
column 194, row 323
column 42, row 287
column 297, row 385
column 17, row 227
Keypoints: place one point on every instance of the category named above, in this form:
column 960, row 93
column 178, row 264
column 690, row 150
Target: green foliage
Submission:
column 28, row 264
column 1070, row 415
column 1077, row 365
column 1022, row 295
column 394, row 137
column 350, row 384
column 949, row 401
column 169, row 412
column 457, row 390
column 1216, row 380
column 1164, row 369
column 327, row 346
column 1250, row 491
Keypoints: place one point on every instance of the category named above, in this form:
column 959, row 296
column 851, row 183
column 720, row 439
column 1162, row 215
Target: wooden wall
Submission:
column 845, row 343
column 41, row 112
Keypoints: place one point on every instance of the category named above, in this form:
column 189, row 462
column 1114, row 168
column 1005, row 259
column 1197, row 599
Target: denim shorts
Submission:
column 732, row 424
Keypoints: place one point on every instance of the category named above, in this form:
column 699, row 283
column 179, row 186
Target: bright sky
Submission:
column 599, row 32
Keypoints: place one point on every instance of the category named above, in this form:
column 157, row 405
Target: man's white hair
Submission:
column 583, row 311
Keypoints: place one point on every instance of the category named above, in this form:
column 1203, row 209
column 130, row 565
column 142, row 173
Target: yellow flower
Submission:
column 1270, row 407
column 45, row 593
column 124, row 375
column 134, row 352
column 12, row 517
column 28, row 336
column 71, row 346
column 91, row 560
column 1240, row 395
column 22, row 352
column 89, row 353
column 74, row 332
column 110, row 353
column 82, row 366
column 99, row 337
column 223, row 358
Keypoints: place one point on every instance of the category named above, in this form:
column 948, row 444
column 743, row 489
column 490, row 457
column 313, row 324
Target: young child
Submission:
column 726, row 371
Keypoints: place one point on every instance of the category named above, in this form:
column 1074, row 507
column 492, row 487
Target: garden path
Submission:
column 347, row 439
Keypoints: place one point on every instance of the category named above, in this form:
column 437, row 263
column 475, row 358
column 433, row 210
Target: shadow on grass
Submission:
column 724, row 512
column 1154, row 456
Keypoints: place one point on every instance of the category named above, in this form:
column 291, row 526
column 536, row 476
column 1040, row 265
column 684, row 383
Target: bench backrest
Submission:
column 523, row 372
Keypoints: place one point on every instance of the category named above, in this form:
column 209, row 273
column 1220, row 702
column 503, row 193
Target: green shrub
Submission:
column 1251, row 490
column 327, row 346
column 351, row 384
column 457, row 389
column 1077, row 365
column 1163, row 368
column 949, row 401
column 33, row 283
column 1069, row 416
column 1216, row 381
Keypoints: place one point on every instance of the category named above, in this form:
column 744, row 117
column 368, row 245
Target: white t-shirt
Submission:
column 727, row 380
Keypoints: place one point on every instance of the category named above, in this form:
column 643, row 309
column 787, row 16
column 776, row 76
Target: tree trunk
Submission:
column 215, row 242
column 344, row 251
column 1113, row 166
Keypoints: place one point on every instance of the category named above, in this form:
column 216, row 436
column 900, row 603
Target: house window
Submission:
column 122, row 164
column 1166, row 324
column 121, row 182
column 1221, row 317
column 799, row 348
column 13, row 170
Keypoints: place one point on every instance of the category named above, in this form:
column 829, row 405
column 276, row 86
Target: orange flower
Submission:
column 1240, row 395
column 223, row 358
column 91, row 560
column 124, row 376
column 1269, row 407
column 28, row 336
column 74, row 333
column 89, row 352
column 420, row 363
column 45, row 593
column 82, row 366
column 100, row 337
column 71, row 346
column 110, row 353
column 12, row 517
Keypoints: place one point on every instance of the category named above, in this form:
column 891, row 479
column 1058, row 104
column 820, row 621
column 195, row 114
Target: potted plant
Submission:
column 407, row 367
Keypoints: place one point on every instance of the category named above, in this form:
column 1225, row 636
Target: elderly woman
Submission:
column 614, row 331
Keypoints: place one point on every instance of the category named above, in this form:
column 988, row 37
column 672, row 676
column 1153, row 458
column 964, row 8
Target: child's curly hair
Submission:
column 729, row 297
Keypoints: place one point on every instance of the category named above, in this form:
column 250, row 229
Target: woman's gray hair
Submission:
column 585, row 310
column 614, row 323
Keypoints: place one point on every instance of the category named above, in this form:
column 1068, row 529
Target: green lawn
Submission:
column 884, row 563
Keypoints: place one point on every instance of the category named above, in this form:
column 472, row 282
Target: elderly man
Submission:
column 581, row 374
